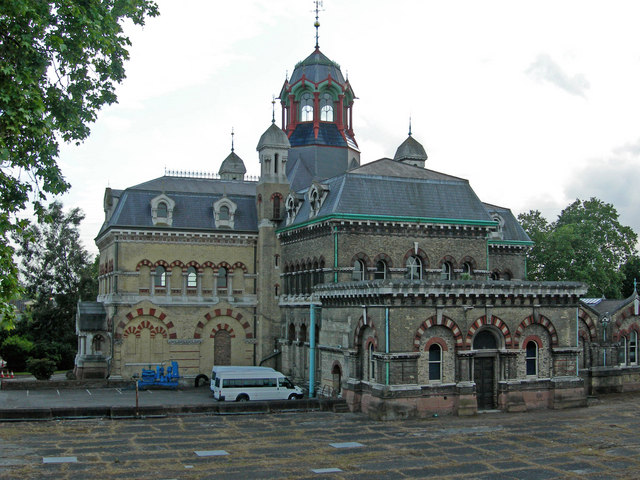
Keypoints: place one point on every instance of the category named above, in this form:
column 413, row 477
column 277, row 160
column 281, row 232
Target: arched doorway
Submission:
column 484, row 368
column 336, row 373
column 222, row 348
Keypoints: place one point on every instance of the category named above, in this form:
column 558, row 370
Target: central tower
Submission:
column 317, row 116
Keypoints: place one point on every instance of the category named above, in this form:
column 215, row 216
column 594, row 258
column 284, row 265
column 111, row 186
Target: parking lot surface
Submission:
column 599, row 442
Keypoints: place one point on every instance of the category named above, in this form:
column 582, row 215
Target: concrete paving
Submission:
column 598, row 442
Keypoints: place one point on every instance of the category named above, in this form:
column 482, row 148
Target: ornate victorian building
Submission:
column 388, row 283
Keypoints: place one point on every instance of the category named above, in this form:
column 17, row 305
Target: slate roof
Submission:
column 194, row 199
column 328, row 134
column 316, row 68
column 410, row 149
column 232, row 164
column 512, row 230
column 367, row 190
column 91, row 316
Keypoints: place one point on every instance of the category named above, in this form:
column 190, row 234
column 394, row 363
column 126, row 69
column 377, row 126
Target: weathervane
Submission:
column 273, row 109
column 409, row 125
column 317, row 23
column 232, row 134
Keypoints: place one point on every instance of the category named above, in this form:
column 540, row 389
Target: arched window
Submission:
column 326, row 108
column 494, row 275
column 161, row 276
column 303, row 333
column 372, row 363
column 506, row 276
column 276, row 208
column 531, row 358
column 622, row 352
column 291, row 335
column 435, row 362
column 162, row 210
column 306, row 108
column 633, row 348
column 381, row 270
column 222, row 278
column 467, row 270
column 358, row 271
column 224, row 213
column 192, row 277
column 445, row 273
column 414, row 268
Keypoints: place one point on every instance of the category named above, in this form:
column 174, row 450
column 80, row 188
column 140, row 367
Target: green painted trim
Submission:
column 387, row 218
column 510, row 242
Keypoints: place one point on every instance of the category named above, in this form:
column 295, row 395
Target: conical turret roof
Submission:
column 273, row 137
column 232, row 164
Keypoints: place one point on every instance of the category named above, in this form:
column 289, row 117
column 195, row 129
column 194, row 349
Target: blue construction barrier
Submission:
column 158, row 377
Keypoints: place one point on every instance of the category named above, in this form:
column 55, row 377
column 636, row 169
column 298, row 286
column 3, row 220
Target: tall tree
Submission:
column 59, row 63
column 57, row 271
column 586, row 243
column 631, row 272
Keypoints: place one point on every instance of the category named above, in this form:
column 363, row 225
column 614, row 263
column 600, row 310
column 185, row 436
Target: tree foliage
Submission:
column 586, row 243
column 60, row 62
column 57, row 272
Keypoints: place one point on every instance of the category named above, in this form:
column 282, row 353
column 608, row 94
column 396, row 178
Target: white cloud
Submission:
column 545, row 69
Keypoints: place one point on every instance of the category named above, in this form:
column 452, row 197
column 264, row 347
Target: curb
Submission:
column 151, row 411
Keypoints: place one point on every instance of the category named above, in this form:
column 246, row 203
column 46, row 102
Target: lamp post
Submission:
column 605, row 322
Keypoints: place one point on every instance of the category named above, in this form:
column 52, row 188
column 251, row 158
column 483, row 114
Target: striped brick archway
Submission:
column 140, row 312
column 218, row 312
column 540, row 320
column 493, row 321
column 433, row 321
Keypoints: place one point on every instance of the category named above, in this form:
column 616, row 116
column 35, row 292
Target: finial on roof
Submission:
column 317, row 22
column 409, row 125
column 273, row 109
column 232, row 134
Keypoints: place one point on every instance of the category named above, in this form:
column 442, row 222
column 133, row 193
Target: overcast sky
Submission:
column 536, row 103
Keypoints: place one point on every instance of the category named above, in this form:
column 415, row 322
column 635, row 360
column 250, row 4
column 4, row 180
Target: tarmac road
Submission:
column 598, row 442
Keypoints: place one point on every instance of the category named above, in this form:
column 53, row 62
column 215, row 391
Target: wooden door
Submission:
column 483, row 373
column 222, row 348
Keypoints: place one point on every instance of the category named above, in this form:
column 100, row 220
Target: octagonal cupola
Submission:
column 411, row 152
column 273, row 151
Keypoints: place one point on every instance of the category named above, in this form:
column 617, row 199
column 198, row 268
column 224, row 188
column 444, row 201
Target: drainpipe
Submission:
column 577, row 341
column 487, row 255
column 386, row 342
column 335, row 254
column 312, row 351
column 255, row 310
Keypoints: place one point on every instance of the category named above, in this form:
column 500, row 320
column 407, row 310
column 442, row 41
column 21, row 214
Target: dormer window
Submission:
column 317, row 194
column 162, row 208
column 499, row 232
column 292, row 206
column 224, row 211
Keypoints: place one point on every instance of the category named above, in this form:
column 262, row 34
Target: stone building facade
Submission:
column 388, row 283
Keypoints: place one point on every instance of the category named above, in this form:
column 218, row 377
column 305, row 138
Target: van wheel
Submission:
column 201, row 380
column 242, row 398
column 293, row 396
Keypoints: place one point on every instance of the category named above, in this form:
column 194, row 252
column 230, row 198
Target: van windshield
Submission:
column 285, row 382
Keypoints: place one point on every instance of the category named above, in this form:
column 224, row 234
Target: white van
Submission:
column 218, row 369
column 241, row 386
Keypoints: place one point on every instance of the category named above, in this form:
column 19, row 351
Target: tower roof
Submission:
column 316, row 68
column 410, row 149
column 273, row 137
column 232, row 164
